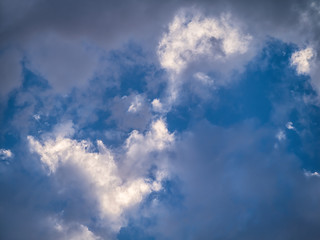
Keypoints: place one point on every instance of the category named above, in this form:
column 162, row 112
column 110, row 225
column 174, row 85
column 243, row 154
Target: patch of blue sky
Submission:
column 268, row 83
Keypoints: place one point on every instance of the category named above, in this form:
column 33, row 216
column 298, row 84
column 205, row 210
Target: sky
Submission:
column 159, row 120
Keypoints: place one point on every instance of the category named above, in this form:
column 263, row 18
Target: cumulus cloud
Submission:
column 236, row 184
column 191, row 35
column 306, row 61
column 139, row 146
column 157, row 105
column 301, row 60
column 289, row 125
column 116, row 186
column 5, row 154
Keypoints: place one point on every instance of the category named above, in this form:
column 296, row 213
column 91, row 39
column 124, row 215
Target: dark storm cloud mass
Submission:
column 234, row 156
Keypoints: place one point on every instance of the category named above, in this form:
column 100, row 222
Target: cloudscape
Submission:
column 160, row 120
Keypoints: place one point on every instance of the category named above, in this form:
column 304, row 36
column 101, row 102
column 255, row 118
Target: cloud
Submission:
column 116, row 186
column 135, row 104
column 311, row 174
column 289, row 125
column 235, row 185
column 157, row 105
column 130, row 112
column 10, row 71
column 191, row 36
column 301, row 60
column 65, row 63
column 139, row 146
column 306, row 61
column 281, row 135
column 5, row 154
column 72, row 231
column 204, row 79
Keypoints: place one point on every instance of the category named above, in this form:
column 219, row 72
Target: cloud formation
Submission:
column 236, row 185
column 116, row 186
column 191, row 35
column 5, row 154
column 159, row 119
column 301, row 60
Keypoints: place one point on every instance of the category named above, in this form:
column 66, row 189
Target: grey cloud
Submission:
column 125, row 118
column 64, row 63
column 109, row 24
column 103, row 21
column 10, row 70
column 52, row 33
column 236, row 185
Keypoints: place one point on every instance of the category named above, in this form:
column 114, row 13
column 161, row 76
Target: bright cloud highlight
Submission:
column 301, row 60
column 116, row 186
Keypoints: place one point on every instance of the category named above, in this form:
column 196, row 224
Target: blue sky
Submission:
column 148, row 120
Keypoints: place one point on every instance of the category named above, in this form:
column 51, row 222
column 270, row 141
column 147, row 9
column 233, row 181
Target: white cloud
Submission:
column 136, row 104
column 139, row 146
column 157, row 105
column 301, row 60
column 111, row 186
column 82, row 234
column 290, row 126
column 5, row 154
column 191, row 36
column 281, row 135
column 204, row 79
column 73, row 231
column 311, row 174
column 36, row 117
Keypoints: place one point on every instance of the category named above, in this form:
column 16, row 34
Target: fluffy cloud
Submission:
column 5, row 154
column 191, row 36
column 139, row 146
column 117, row 185
column 301, row 60
column 157, row 105
column 305, row 61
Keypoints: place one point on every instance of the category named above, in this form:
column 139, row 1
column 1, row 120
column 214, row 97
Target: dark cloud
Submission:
column 110, row 24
